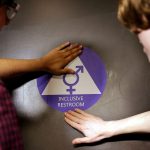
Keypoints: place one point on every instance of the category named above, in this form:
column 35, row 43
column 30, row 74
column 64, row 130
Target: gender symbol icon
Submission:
column 70, row 90
column 81, row 90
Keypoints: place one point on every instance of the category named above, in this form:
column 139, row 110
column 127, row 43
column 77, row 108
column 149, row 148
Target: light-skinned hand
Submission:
column 94, row 128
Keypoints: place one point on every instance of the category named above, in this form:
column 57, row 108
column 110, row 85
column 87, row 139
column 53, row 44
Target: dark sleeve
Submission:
column 7, row 2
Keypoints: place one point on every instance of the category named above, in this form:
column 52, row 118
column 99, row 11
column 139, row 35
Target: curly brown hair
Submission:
column 134, row 13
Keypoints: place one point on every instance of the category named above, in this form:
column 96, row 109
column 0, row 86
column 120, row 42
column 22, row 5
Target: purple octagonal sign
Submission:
column 81, row 90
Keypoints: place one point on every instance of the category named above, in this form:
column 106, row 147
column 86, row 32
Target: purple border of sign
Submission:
column 100, row 81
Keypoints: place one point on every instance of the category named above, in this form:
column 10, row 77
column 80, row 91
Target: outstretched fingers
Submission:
column 87, row 139
column 74, row 124
column 64, row 45
column 67, row 71
column 73, row 54
column 69, row 53
column 76, row 114
column 72, row 49
column 79, row 111
column 81, row 140
column 73, row 118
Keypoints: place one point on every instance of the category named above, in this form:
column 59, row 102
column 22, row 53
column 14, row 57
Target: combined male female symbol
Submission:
column 71, row 90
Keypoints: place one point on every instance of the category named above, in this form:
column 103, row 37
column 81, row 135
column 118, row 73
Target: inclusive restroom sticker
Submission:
column 81, row 90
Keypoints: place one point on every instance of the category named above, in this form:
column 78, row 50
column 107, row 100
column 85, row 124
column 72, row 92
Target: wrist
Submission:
column 118, row 127
column 40, row 62
column 44, row 63
column 35, row 65
column 111, row 128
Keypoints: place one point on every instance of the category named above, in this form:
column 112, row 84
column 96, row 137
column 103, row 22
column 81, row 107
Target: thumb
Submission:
column 67, row 71
column 81, row 140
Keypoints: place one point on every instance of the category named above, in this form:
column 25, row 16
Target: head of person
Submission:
column 135, row 15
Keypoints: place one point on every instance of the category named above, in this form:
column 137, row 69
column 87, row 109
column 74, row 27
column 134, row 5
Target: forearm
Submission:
column 135, row 124
column 54, row 61
column 14, row 67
